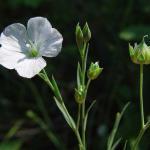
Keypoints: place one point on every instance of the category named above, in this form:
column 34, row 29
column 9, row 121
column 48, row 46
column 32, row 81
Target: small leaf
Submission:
column 79, row 74
column 115, row 127
column 65, row 113
column 86, row 116
column 56, row 89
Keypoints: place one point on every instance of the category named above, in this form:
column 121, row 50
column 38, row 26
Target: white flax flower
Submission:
column 22, row 49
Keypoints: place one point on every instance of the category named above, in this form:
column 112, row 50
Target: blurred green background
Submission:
column 113, row 23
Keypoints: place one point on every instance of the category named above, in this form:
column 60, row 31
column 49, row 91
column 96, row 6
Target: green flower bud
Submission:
column 140, row 53
column 80, row 94
column 94, row 71
column 86, row 33
column 79, row 37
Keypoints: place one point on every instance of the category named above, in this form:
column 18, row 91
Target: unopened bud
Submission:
column 80, row 94
column 140, row 53
column 79, row 37
column 94, row 71
column 86, row 33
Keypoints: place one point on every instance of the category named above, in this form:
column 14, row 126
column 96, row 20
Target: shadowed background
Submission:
column 113, row 25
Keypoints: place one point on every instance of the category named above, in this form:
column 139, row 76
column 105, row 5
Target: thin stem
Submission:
column 48, row 80
column 83, row 60
column 84, row 63
column 141, row 96
column 79, row 116
column 81, row 146
column 87, row 86
column 83, row 118
column 142, row 131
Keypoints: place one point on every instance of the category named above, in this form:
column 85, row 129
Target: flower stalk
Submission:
column 141, row 97
column 140, row 54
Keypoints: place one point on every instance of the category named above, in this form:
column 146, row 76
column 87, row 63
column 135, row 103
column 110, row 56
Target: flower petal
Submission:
column 14, row 38
column 52, row 45
column 9, row 59
column 29, row 67
column 12, row 42
column 38, row 29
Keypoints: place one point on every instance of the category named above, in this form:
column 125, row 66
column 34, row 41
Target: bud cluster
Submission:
column 82, row 36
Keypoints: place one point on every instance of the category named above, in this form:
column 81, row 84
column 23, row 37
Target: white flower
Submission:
column 22, row 49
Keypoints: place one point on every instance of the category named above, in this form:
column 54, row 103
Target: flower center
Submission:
column 33, row 52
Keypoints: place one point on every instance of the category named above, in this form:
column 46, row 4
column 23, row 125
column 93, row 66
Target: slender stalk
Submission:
column 87, row 86
column 83, row 117
column 48, row 80
column 141, row 96
column 139, row 137
column 81, row 146
column 144, row 126
column 79, row 116
column 83, row 60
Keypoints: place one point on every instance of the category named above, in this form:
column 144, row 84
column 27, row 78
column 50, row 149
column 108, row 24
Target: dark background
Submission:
column 113, row 23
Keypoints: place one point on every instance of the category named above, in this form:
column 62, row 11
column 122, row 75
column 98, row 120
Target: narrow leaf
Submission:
column 65, row 113
column 56, row 89
column 78, row 75
column 115, row 128
column 86, row 116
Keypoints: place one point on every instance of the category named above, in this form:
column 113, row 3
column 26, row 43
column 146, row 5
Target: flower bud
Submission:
column 94, row 71
column 79, row 94
column 140, row 53
column 86, row 33
column 79, row 37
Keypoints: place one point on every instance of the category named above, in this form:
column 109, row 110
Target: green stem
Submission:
column 83, row 60
column 138, row 139
column 48, row 80
column 79, row 116
column 141, row 96
column 81, row 146
column 83, row 118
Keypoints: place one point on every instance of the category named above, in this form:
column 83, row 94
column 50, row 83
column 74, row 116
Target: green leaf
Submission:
column 56, row 89
column 87, row 113
column 65, row 113
column 115, row 128
column 11, row 145
column 79, row 75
